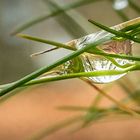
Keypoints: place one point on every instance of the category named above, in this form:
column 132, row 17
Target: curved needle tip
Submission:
column 43, row 52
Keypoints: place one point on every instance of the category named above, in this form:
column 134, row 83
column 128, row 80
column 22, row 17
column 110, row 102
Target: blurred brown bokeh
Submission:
column 35, row 109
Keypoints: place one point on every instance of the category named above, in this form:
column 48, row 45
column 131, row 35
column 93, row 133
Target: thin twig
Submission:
column 120, row 105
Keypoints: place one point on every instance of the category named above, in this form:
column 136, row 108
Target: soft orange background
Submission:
column 35, row 109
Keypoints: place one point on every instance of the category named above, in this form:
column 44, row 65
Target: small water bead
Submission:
column 93, row 62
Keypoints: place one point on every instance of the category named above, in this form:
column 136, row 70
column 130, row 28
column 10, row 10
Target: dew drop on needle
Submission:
column 92, row 62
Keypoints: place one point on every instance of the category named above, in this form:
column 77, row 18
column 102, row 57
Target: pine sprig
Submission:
column 72, row 55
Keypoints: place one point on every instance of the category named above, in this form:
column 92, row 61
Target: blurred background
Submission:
column 15, row 62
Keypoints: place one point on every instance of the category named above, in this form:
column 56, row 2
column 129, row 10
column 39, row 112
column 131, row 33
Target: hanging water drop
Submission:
column 88, row 62
column 93, row 62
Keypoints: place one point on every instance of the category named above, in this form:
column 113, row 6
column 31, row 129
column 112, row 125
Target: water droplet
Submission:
column 91, row 62
column 88, row 62
column 97, row 63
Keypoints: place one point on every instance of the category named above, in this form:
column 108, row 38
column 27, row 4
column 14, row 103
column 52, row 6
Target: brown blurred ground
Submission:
column 35, row 109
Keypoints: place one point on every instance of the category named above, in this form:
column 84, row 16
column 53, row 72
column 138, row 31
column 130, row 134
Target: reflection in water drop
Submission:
column 97, row 63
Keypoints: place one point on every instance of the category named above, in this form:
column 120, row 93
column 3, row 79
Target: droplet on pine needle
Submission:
column 97, row 63
column 91, row 62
